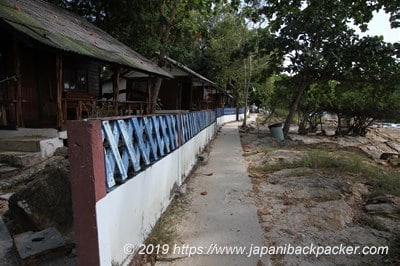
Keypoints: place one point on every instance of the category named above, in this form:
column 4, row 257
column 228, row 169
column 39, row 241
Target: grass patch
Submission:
column 250, row 153
column 165, row 232
column 263, row 150
column 383, row 180
column 343, row 161
column 270, row 168
column 266, row 150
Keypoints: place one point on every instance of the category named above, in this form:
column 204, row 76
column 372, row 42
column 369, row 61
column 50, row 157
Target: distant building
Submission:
column 188, row 90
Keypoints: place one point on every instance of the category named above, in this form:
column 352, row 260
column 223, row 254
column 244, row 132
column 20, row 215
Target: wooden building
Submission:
column 187, row 91
column 50, row 66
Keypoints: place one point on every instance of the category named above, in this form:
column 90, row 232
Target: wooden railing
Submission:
column 81, row 108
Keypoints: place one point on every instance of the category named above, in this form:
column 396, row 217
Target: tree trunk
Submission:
column 61, row 116
column 293, row 108
column 166, row 21
column 154, row 93
column 116, row 75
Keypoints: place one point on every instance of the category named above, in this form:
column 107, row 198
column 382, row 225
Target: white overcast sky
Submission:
column 380, row 25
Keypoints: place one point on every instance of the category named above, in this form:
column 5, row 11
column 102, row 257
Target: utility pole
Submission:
column 246, row 89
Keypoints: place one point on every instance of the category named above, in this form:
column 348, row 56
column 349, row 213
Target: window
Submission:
column 137, row 91
column 75, row 79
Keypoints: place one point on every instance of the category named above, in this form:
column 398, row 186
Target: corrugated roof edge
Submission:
column 22, row 22
column 192, row 72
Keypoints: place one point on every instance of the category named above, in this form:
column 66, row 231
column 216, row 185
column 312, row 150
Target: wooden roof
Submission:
column 63, row 30
column 181, row 70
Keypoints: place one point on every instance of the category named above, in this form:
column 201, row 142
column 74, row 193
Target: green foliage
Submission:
column 139, row 23
column 317, row 159
column 318, row 44
column 359, row 103
column 335, row 69
column 227, row 35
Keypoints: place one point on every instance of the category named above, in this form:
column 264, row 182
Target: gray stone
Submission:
column 21, row 159
column 45, row 202
column 62, row 151
column 331, row 215
column 6, row 169
column 35, row 244
column 284, row 157
column 6, row 196
column 181, row 191
column 386, row 209
column 388, row 155
column 7, row 254
column 372, row 199
column 203, row 158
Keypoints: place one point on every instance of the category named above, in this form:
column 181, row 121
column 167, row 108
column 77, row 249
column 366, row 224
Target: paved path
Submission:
column 225, row 216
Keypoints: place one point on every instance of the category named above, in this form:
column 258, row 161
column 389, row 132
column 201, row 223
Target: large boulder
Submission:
column 45, row 202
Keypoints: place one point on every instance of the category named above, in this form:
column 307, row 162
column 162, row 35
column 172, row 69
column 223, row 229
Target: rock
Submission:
column 306, row 186
column 203, row 158
column 384, row 204
column 7, row 254
column 34, row 245
column 181, row 191
column 331, row 215
column 62, row 151
column 385, row 209
column 388, row 155
column 284, row 157
column 6, row 196
column 394, row 161
column 45, row 202
column 395, row 145
column 375, row 199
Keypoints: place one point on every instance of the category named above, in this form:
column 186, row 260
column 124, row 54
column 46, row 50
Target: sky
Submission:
column 380, row 25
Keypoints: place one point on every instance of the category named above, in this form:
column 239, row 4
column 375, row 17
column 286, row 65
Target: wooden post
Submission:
column 61, row 116
column 17, row 70
column 191, row 96
column 117, row 72
column 149, row 95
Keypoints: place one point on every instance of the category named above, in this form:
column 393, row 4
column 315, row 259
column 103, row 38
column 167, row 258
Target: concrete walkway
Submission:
column 221, row 214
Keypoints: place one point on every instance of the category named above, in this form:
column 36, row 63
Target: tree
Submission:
column 318, row 44
column 226, row 53
column 148, row 26
column 225, row 36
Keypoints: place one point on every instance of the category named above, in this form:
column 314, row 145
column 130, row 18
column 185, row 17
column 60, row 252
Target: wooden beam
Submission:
column 149, row 95
column 17, row 70
column 61, row 116
column 117, row 73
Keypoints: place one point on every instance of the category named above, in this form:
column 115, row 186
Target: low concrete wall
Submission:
column 110, row 226
column 125, row 216
column 227, row 118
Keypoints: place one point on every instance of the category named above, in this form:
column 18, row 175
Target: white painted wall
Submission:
column 107, row 87
column 227, row 118
column 127, row 214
